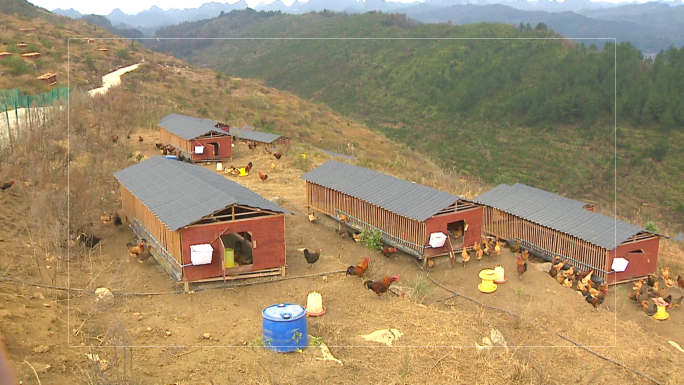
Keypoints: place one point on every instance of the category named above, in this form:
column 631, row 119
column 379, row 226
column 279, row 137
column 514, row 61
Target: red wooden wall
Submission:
column 472, row 218
column 267, row 232
column 640, row 264
column 225, row 148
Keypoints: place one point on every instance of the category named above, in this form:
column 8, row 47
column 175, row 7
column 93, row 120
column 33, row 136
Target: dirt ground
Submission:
column 58, row 337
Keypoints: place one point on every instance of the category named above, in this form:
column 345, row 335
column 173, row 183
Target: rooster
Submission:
column 665, row 273
column 381, row 286
column 525, row 255
column 521, row 266
column 465, row 255
column 248, row 167
column 387, row 251
column 263, row 177
column 7, row 185
column 277, row 155
column 359, row 269
column 312, row 257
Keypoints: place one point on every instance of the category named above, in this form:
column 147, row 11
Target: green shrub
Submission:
column 16, row 66
column 372, row 239
column 123, row 54
column 650, row 226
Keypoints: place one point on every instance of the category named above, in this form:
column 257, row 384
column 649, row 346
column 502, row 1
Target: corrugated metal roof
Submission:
column 179, row 193
column 188, row 127
column 559, row 213
column 257, row 136
column 402, row 197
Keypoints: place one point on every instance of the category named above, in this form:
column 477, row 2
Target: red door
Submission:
column 639, row 264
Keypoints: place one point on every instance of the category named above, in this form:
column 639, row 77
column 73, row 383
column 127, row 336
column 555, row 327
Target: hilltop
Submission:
column 540, row 112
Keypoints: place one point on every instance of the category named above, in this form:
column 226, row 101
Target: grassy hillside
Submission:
column 539, row 112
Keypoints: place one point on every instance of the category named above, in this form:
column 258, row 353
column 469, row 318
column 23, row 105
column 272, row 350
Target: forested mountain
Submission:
column 515, row 109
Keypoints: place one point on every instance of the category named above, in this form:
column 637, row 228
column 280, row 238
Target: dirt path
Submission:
column 112, row 79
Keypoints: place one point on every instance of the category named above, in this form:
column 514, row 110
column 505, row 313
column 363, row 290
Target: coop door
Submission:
column 639, row 263
column 215, row 147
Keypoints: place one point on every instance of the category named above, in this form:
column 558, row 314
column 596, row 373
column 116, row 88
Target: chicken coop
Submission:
column 405, row 212
column 197, row 138
column 267, row 139
column 550, row 225
column 200, row 224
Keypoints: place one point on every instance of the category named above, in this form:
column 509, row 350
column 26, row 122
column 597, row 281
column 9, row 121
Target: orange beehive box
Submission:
column 31, row 55
column 5, row 54
column 102, row 49
column 48, row 77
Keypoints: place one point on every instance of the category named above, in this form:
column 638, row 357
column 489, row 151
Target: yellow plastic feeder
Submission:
column 488, row 276
column 500, row 274
column 243, row 171
column 314, row 305
column 661, row 314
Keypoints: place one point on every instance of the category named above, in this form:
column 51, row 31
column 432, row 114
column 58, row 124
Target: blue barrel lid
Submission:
column 283, row 312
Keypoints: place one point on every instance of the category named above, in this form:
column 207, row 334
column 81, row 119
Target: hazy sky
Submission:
column 135, row 6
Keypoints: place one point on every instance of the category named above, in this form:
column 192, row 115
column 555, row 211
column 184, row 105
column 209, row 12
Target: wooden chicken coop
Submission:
column 550, row 225
column 247, row 133
column 201, row 139
column 405, row 212
column 180, row 208
column 48, row 77
column 31, row 55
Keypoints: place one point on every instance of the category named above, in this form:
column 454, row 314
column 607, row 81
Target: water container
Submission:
column 229, row 260
column 284, row 328
column 174, row 157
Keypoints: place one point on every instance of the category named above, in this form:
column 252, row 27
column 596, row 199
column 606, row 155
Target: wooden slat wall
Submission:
column 509, row 226
column 169, row 240
column 166, row 137
column 409, row 233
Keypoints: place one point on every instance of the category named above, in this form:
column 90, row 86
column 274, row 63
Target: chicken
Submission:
column 248, row 167
column 142, row 257
column 634, row 295
column 567, row 282
column 7, row 185
column 487, row 251
column 356, row 237
column 676, row 303
column 569, row 272
column 140, row 139
column 89, row 240
column 680, row 282
column 476, row 247
column 584, row 277
column 521, row 266
column 387, row 251
column 669, row 283
column 251, row 146
column 555, row 268
column 273, row 166
column 665, row 273
column 342, row 233
column 525, row 255
column 650, row 310
column 312, row 217
column 312, row 257
column 116, row 219
column 515, row 247
column 560, row 278
column 381, row 286
column 263, row 177
column 637, row 285
column 497, row 249
column 105, row 218
column 158, row 145
column 582, row 287
column 359, row 269
column 277, row 155
column 651, row 280
column 595, row 301
column 656, row 293
column 465, row 255
column 115, row 138
column 479, row 254
column 135, row 250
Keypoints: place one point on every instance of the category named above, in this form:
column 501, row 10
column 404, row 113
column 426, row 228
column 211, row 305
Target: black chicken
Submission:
column 312, row 257
column 117, row 220
column 89, row 240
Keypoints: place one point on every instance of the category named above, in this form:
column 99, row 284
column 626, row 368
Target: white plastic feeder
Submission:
column 201, row 254
column 219, row 166
column 437, row 240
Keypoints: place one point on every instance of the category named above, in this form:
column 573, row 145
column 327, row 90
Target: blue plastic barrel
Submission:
column 284, row 328
column 174, row 157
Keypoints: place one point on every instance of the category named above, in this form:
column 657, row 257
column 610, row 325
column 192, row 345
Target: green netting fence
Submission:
column 17, row 99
